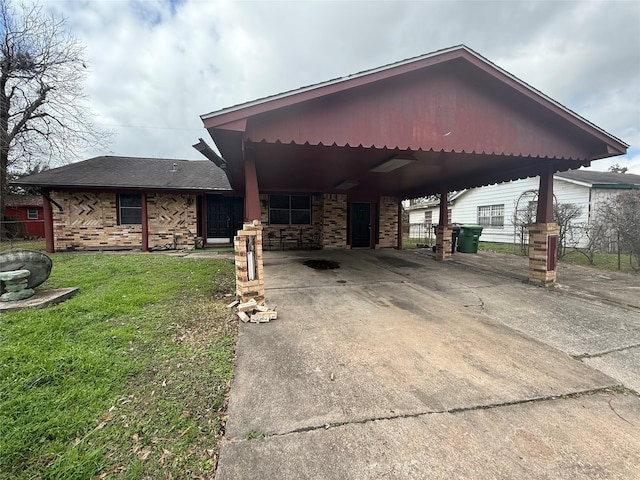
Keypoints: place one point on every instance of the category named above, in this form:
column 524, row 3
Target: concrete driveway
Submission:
column 397, row 366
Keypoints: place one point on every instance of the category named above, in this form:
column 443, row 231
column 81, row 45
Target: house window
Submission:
column 129, row 209
column 290, row 209
column 428, row 217
column 491, row 215
column 32, row 214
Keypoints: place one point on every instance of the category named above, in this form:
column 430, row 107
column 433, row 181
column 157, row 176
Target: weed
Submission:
column 252, row 435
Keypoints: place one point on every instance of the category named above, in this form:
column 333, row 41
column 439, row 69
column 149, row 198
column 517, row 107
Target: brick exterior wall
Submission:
column 328, row 227
column 169, row 215
column 89, row 221
column 334, row 221
column 388, row 223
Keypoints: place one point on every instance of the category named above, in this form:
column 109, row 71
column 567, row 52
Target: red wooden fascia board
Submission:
column 223, row 120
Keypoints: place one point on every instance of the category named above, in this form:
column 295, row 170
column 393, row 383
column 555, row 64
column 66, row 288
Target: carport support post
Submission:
column 543, row 235
column 443, row 232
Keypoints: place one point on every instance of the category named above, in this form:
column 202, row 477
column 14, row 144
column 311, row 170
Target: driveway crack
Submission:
column 452, row 411
column 606, row 352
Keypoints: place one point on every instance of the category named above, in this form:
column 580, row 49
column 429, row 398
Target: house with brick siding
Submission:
column 327, row 165
column 109, row 203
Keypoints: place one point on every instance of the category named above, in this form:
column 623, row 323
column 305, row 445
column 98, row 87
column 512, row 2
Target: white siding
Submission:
column 512, row 194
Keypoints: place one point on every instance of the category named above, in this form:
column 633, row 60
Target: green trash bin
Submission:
column 469, row 238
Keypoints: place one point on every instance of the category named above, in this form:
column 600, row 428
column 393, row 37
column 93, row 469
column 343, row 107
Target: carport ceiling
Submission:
column 462, row 122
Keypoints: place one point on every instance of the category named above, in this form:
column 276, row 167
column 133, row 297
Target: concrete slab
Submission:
column 623, row 365
column 378, row 346
column 589, row 437
column 41, row 299
column 398, row 366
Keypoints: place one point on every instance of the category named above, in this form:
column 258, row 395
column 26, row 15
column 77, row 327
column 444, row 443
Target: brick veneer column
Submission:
column 539, row 264
column 443, row 243
column 246, row 288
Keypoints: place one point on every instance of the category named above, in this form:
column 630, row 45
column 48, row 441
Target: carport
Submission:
column 359, row 145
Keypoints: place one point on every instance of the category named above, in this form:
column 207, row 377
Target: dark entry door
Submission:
column 220, row 220
column 360, row 225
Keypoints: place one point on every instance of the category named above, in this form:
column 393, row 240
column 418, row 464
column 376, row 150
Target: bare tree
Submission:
column 622, row 215
column 564, row 215
column 43, row 115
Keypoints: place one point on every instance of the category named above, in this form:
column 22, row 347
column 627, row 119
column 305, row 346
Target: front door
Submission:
column 220, row 219
column 360, row 225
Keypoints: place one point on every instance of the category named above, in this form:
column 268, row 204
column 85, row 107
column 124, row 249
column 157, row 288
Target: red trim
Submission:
column 48, row 223
column 145, row 222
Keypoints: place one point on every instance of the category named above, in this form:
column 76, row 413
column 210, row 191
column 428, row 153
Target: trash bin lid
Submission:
column 473, row 228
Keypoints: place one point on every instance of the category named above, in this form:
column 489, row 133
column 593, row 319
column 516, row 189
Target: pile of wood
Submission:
column 252, row 311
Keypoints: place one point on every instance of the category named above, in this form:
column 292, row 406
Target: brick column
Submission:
column 249, row 239
column 543, row 243
column 443, row 242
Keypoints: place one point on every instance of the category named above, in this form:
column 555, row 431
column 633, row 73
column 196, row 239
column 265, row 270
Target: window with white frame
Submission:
column 290, row 209
column 129, row 209
column 491, row 215
column 428, row 217
column 32, row 214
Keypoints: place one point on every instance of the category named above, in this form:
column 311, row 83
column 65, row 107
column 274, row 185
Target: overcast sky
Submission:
column 156, row 65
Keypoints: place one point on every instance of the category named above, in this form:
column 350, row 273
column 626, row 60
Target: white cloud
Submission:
column 155, row 66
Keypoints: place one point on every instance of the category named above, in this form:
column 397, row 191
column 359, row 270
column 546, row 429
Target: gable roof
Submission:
column 460, row 121
column 133, row 172
column 235, row 117
column 600, row 179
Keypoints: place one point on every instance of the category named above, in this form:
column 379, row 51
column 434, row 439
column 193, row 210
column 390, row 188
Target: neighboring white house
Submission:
column 501, row 208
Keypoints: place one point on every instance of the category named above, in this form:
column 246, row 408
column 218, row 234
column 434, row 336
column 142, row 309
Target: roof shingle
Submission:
column 133, row 172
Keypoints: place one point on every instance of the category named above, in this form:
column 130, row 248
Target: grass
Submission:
column 602, row 261
column 28, row 244
column 126, row 380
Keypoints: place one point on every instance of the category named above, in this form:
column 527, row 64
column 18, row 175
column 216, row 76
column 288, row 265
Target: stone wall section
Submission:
column 89, row 221
column 388, row 223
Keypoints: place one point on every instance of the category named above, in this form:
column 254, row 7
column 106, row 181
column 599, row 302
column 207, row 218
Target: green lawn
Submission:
column 126, row 380
column 602, row 261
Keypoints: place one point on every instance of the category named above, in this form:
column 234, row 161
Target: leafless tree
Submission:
column 564, row 214
column 622, row 214
column 44, row 118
